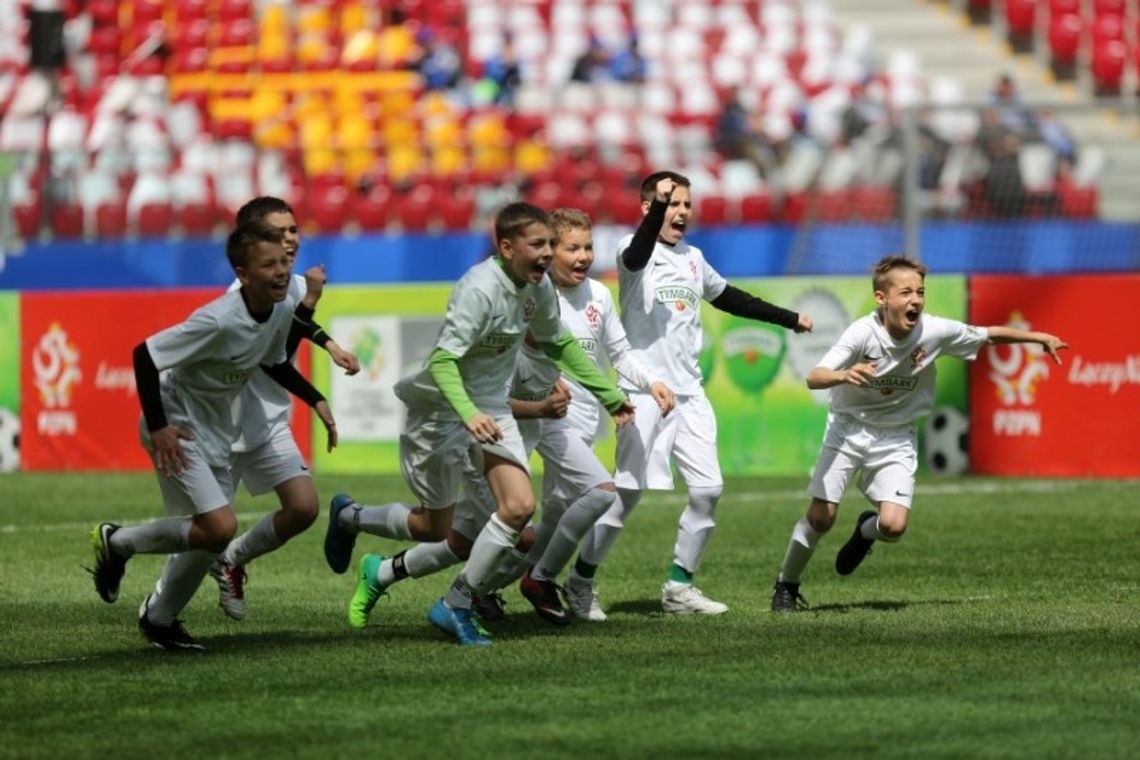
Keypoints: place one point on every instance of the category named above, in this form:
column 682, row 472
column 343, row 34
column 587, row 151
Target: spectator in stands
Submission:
column 593, row 65
column 737, row 139
column 1014, row 115
column 1004, row 190
column 438, row 61
column 501, row 72
column 629, row 65
column 865, row 111
column 1057, row 136
column 992, row 133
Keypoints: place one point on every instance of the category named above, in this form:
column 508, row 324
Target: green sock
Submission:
column 678, row 574
column 585, row 569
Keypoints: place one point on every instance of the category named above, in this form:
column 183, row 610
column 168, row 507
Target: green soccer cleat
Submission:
column 367, row 593
column 109, row 566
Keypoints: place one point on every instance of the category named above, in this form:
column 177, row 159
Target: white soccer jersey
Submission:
column 264, row 403
column 660, row 310
column 588, row 313
column 210, row 357
column 902, row 389
column 487, row 317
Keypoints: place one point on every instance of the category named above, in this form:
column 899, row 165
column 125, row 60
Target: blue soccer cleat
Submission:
column 460, row 624
column 338, row 541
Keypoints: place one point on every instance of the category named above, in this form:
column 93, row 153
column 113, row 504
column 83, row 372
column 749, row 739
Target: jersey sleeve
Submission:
column 960, row 339
column 846, row 350
column 712, row 283
column 547, row 322
column 466, row 319
column 186, row 342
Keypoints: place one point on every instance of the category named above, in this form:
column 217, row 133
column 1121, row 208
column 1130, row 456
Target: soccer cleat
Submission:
column 368, row 592
column 544, row 596
column 338, row 541
column 231, row 587
column 109, row 566
column 460, row 624
column 851, row 554
column 172, row 638
column 685, row 599
column 490, row 606
column 786, row 597
column 582, row 599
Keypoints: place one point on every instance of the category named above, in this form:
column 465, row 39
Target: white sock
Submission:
column 387, row 521
column 696, row 527
column 511, row 567
column 575, row 522
column 870, row 529
column 801, row 546
column 601, row 539
column 169, row 535
column 420, row 560
column 260, row 539
column 181, row 576
column 493, row 542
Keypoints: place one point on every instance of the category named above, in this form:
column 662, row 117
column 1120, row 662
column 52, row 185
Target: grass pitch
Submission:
column 1006, row 623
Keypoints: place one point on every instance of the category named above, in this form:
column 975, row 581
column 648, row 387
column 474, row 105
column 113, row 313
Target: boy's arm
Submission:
column 289, row 378
column 636, row 256
column 556, row 404
column 1006, row 334
column 822, row 378
column 163, row 436
column 739, row 303
column 444, row 368
column 304, row 326
column 571, row 359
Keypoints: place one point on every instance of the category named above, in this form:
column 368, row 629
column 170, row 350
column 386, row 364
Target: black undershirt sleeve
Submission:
column 304, row 327
column 150, row 396
column 636, row 256
column 741, row 304
column 287, row 376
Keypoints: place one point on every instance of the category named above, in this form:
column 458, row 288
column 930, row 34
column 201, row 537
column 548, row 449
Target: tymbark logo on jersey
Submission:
column 1017, row 370
column 55, row 362
column 681, row 297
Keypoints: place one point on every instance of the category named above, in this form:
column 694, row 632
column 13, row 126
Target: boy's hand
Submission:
column 803, row 324
column 623, row 415
column 860, row 374
column 168, row 456
column 557, row 402
column 1052, row 344
column 484, row 428
column 664, row 397
column 326, row 415
column 665, row 190
column 315, row 280
column 346, row 360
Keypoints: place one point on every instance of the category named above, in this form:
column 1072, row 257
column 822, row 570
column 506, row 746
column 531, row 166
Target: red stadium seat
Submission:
column 1108, row 58
column 111, row 220
column 873, row 204
column 371, row 211
column 67, row 220
column 456, row 210
column 1107, row 28
column 28, row 219
column 712, row 211
column 1110, row 7
column 1065, row 37
column 756, row 208
column 1077, row 202
column 327, row 207
column 414, row 208
column 1062, row 7
column 155, row 219
column 197, row 219
column 1021, row 16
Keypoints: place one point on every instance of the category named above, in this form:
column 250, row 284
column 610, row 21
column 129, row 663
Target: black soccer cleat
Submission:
column 544, row 596
column 172, row 638
column 490, row 606
column 851, row 554
column 109, row 566
column 786, row 597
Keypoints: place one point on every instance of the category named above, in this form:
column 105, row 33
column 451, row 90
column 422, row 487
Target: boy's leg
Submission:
column 888, row 482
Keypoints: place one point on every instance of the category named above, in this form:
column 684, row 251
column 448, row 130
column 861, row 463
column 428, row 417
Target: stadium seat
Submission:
column 327, row 207
column 197, row 219
column 1021, row 16
column 712, row 211
column 67, row 220
column 1065, row 37
column 111, row 220
column 28, row 216
column 756, row 208
column 371, row 210
column 154, row 219
column 414, row 209
column 456, row 210
column 1107, row 65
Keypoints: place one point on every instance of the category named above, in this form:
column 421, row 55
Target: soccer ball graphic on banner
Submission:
column 9, row 441
column 946, row 442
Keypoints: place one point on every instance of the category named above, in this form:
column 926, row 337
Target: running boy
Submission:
column 188, row 428
column 460, row 395
column 266, row 458
column 661, row 281
column 881, row 374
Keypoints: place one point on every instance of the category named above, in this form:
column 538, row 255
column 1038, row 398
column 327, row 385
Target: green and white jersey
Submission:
column 487, row 317
column 661, row 312
column 264, row 403
column 902, row 389
column 208, row 359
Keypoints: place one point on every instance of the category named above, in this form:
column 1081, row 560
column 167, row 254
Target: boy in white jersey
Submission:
column 188, row 428
column 661, row 282
column 576, row 488
column 266, row 458
column 881, row 374
column 457, row 407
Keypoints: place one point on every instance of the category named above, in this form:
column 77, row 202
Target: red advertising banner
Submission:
column 79, row 407
column 1029, row 416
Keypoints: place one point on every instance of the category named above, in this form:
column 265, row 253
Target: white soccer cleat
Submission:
column 231, row 588
column 684, row 599
column 582, row 597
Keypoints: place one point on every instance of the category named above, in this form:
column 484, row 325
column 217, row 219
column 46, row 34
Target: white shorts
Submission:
column 687, row 437
column 198, row 489
column 274, row 462
column 433, row 453
column 571, row 468
column 885, row 456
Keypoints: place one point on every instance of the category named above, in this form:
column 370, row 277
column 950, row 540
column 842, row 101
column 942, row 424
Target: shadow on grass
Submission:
column 643, row 607
column 882, row 605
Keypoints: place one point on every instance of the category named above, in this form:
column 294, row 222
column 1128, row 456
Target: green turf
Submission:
column 1007, row 623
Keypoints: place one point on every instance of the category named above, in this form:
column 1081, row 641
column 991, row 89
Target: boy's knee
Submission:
column 821, row 515
column 892, row 530
column 517, row 512
column 302, row 514
column 217, row 529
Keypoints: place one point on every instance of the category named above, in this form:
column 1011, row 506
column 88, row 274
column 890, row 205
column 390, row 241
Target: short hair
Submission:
column 246, row 236
column 649, row 184
column 565, row 219
column 261, row 207
column 881, row 271
column 513, row 218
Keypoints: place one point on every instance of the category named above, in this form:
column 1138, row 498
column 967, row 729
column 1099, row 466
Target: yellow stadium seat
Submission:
column 532, row 156
column 358, row 163
column 314, row 19
column 448, row 160
column 442, row 131
column 316, row 132
column 356, row 132
column 404, row 162
column 490, row 159
column 400, row 133
column 320, row 161
column 274, row 134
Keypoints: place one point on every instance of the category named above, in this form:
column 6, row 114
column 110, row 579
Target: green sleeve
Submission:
column 444, row 368
column 571, row 359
